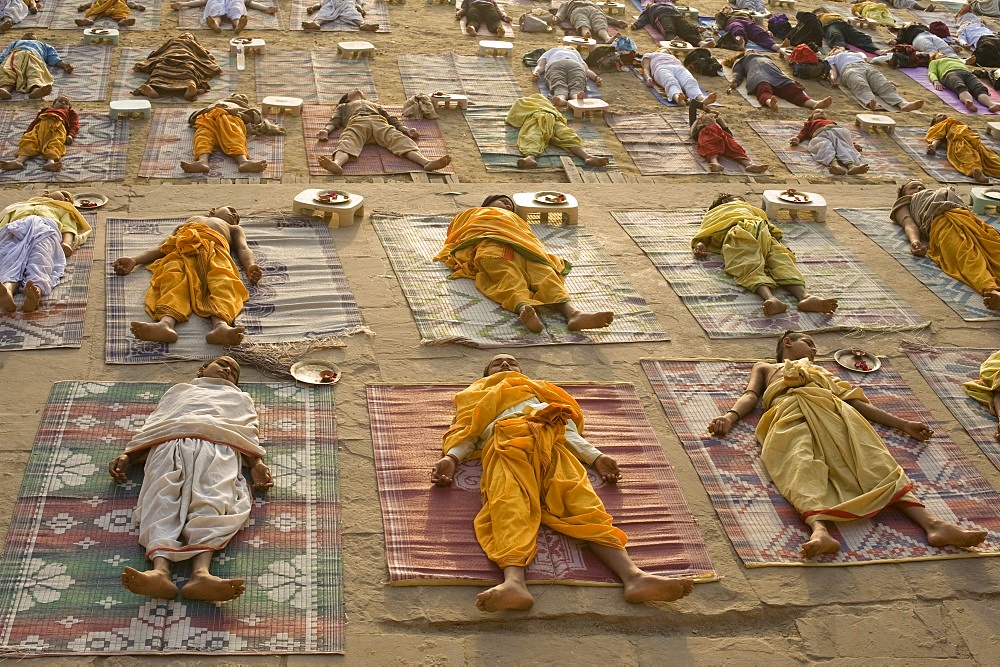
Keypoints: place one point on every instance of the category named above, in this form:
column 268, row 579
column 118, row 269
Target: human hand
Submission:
column 700, row 250
column 254, row 273
column 918, row 249
column 66, row 67
column 598, row 80
column 443, row 472
column 124, row 266
column 794, row 141
column 412, row 134
column 119, row 468
column 261, row 476
column 69, row 140
column 323, row 135
column 535, row 76
column 458, row 14
column 648, row 80
column 931, row 149
column 938, row 85
column 917, row 431
column 720, row 426
column 859, row 148
column 607, row 469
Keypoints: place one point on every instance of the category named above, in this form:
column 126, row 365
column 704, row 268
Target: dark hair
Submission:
column 779, row 353
column 900, row 190
column 209, row 362
column 723, row 198
column 492, row 198
column 934, row 118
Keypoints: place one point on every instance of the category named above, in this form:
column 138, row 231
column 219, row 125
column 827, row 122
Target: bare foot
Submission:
column 240, row 24
column 873, row 105
column 223, row 334
column 912, row 106
column 38, row 92
column 469, row 30
column 7, row 24
column 650, row 588
column 710, row 99
column 32, row 295
column 595, row 161
column 994, row 108
column 195, row 168
column 11, row 165
column 52, row 166
column 501, row 31
column 4, row 94
column 991, row 299
column 858, row 169
column 191, row 93
column 213, row 24
column 272, row 10
column 820, row 544
column 156, row 332
column 681, row 99
column 950, row 535
column 369, row 27
column 529, row 318
column 772, row 103
column 127, row 23
column 774, row 306
column 331, row 166
column 824, row 103
column 254, row 167
column 67, row 250
column 979, row 177
column 506, row 596
column 311, row 25
column 971, row 106
column 836, row 169
column 439, row 163
column 83, row 23
column 151, row 583
column 6, row 300
column 815, row 304
column 527, row 163
column 755, row 168
column 210, row 588
column 590, row 321
column 147, row 91
column 715, row 167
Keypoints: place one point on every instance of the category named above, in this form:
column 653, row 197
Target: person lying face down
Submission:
column 194, row 496
column 527, row 433
column 825, row 481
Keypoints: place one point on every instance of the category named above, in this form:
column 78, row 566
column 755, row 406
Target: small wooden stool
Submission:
column 860, row 22
column 612, row 8
column 492, row 47
column 677, row 47
column 773, row 205
column 584, row 46
column 525, row 205
column 979, row 202
column 341, row 214
column 290, row 105
column 782, row 3
column 130, row 109
column 688, row 12
column 993, row 129
column 445, row 101
column 761, row 19
column 587, row 107
column 356, row 50
column 870, row 122
column 100, row 36
column 249, row 45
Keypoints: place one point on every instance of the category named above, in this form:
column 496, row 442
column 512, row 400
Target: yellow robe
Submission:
column 749, row 245
column 196, row 274
column 529, row 475
column 47, row 138
column 497, row 249
column 23, row 70
column 966, row 151
column 988, row 383
column 541, row 124
column 219, row 129
column 115, row 10
column 824, row 457
column 966, row 248
column 873, row 11
column 65, row 214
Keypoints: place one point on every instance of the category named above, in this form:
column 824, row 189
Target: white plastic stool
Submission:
column 356, row 50
column 130, row 109
column 870, row 122
column 612, row 8
column 688, row 12
column 993, row 129
column 580, row 44
column 525, row 205
column 782, row 3
column 100, row 36
column 861, row 22
column 290, row 105
column 343, row 213
column 249, row 45
column 587, row 107
column 979, row 202
column 491, row 47
column 677, row 47
column 773, row 205
column 445, row 101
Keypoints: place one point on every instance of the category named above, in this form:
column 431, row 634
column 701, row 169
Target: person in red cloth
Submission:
column 831, row 145
column 714, row 140
column 53, row 129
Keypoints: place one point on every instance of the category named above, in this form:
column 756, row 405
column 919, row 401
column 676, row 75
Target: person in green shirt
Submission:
column 954, row 74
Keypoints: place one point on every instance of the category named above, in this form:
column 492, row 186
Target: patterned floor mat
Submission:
column 65, row 14
column 128, row 79
column 919, row 74
column 911, row 139
column 320, row 77
column 376, row 12
column 89, row 80
column 482, row 80
column 191, row 19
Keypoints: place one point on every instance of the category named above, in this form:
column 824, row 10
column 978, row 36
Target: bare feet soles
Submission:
column 506, row 596
column 39, row 92
column 439, row 163
column 223, row 334
column 527, row 163
column 650, row 588
column 774, row 307
column 836, row 169
column 529, row 318
column 912, row 106
column 254, row 167
column 151, row 583
column 5, row 94
column 155, row 332
column 715, row 167
column 858, row 169
column 979, row 177
column 755, row 168
column 190, row 93
column 821, row 543
column 971, row 106
column 83, row 23
column 52, row 166
column 596, row 161
column 147, row 91
column 310, row 25
column 772, row 103
column 992, row 300
column 590, row 321
column 194, row 167
column 7, row 300
column 240, row 24
column 469, row 30
column 331, row 166
column 824, row 103
column 210, row 588
column 11, row 165
column 127, row 23
column 950, row 535
column 710, row 99
column 815, row 304
column 32, row 295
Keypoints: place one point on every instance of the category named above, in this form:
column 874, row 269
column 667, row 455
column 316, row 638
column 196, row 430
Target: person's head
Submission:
column 835, row 50
column 500, row 364
column 722, row 18
column 724, row 198
column 733, row 59
column 62, row 102
column 223, row 368
column 499, row 201
column 937, row 118
column 817, row 114
column 911, row 187
column 29, row 36
column 351, row 96
column 795, row 345
column 226, row 213
column 58, row 195
column 240, row 99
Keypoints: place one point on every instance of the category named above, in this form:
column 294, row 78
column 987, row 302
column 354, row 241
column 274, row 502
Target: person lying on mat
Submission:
column 714, row 139
column 981, row 40
column 194, row 496
column 744, row 29
column 496, row 248
column 117, row 10
column 752, row 255
column 24, row 67
column 53, row 129
column 767, row 82
column 13, row 12
column 179, row 66
column 665, row 17
column 663, row 69
column 831, row 145
column 853, row 71
column 873, row 11
column 810, row 417
column 980, row 8
column 838, row 32
column 55, row 205
column 966, row 151
column 527, row 433
column 939, row 224
column 234, row 10
column 920, row 37
column 986, row 388
column 587, row 19
column 194, row 272
column 365, row 122
column 540, row 124
column 351, row 12
column 478, row 13
column 225, row 125
column 565, row 73
column 954, row 74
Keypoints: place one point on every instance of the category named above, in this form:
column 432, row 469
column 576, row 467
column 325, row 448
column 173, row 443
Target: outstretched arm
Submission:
column 904, row 219
column 745, row 404
column 245, row 255
column 260, row 474
column 125, row 265
column 915, row 430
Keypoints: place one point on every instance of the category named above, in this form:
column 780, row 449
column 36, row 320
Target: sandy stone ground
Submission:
column 907, row 614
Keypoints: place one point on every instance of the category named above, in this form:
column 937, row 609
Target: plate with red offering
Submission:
column 89, row 200
column 315, row 372
column 550, row 197
column 795, row 197
column 332, row 197
column 857, row 360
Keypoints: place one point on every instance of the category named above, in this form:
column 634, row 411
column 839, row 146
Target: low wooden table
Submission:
column 289, row 105
column 587, row 107
column 446, row 101
column 130, row 109
column 344, row 213
column 773, row 205
column 580, row 44
column 105, row 36
column 870, row 122
column 250, row 46
column 356, row 50
column 979, row 202
column 525, row 205
column 492, row 47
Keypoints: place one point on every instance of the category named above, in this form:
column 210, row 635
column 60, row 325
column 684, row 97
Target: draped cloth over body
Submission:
column 988, row 383
column 180, row 62
column 824, row 457
column 30, row 250
column 24, row 70
column 194, row 496
column 966, row 151
column 529, row 475
column 63, row 213
column 541, row 124
column 115, row 10
column 196, row 275
column 497, row 249
column 749, row 245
